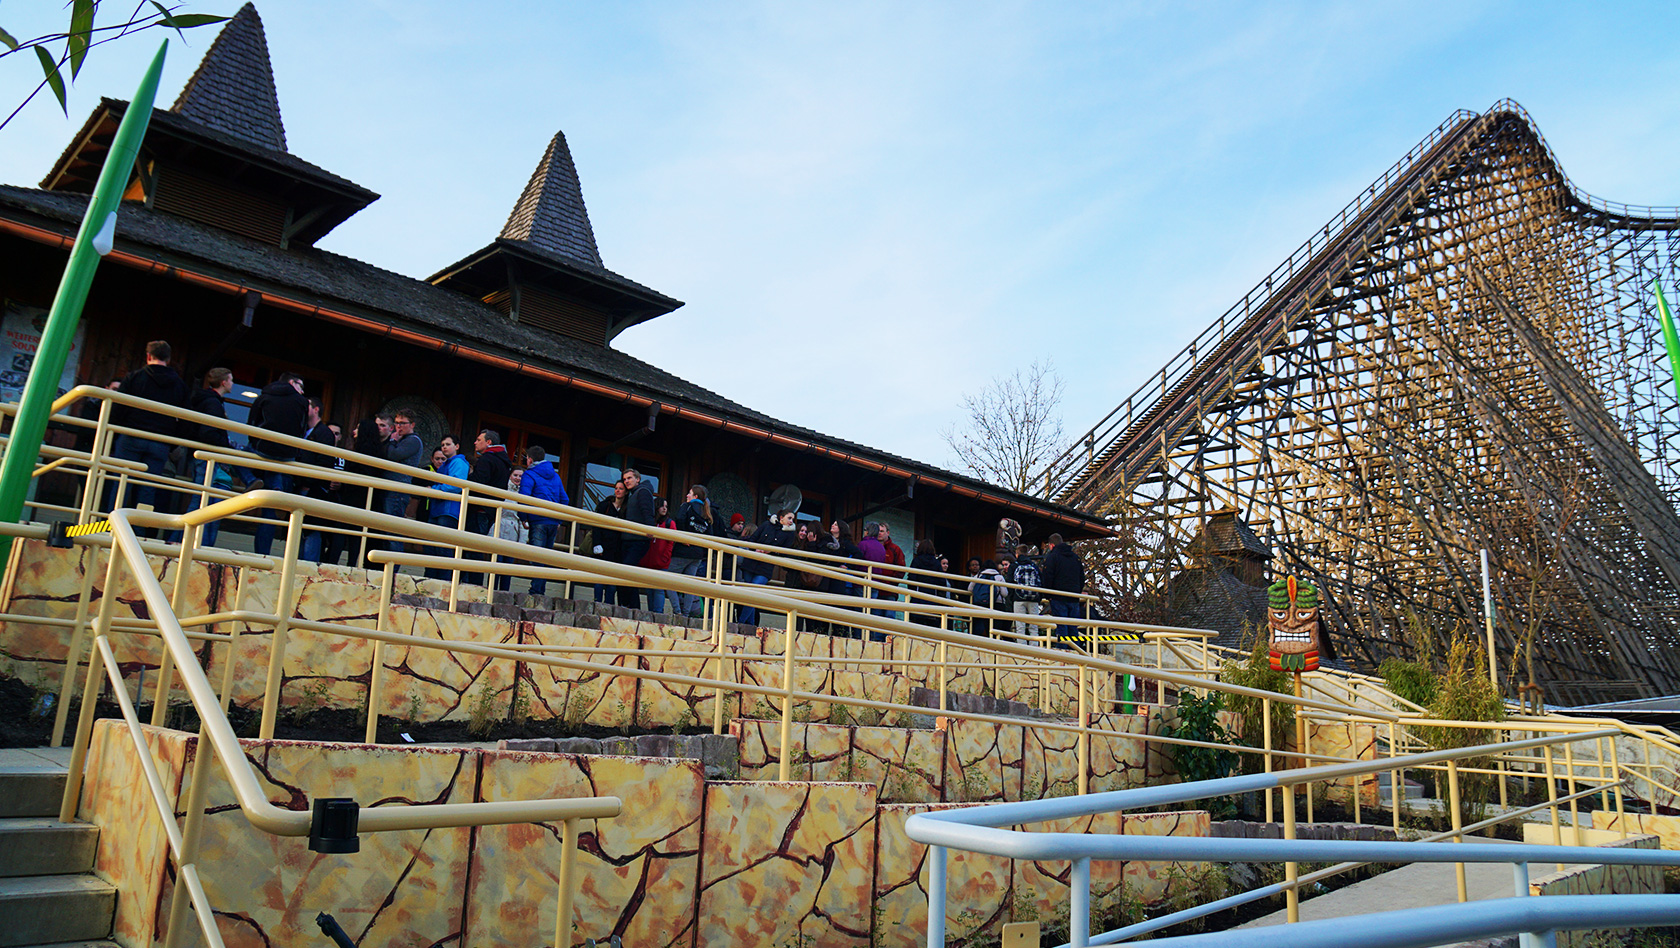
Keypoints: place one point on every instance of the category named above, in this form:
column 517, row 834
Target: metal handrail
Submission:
column 216, row 730
column 982, row 830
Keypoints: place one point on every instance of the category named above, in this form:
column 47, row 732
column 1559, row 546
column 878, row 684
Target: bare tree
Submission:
column 1014, row 426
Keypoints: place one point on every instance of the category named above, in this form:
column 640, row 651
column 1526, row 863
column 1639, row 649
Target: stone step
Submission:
column 27, row 790
column 46, row 909
column 42, row 846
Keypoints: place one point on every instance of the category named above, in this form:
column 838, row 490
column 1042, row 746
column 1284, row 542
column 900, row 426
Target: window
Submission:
column 600, row 474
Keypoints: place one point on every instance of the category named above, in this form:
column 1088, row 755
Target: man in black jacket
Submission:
column 208, row 401
column 638, row 508
column 1063, row 572
column 282, row 409
column 491, row 467
column 160, row 383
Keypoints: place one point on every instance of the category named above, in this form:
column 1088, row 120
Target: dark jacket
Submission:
column 281, row 409
column 320, row 434
column 610, row 541
column 639, row 505
column 160, row 383
column 208, row 401
column 771, row 537
column 1062, row 570
column 542, row 483
column 490, row 468
column 691, row 511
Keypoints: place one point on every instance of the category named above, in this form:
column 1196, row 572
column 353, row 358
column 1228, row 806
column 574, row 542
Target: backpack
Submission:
column 987, row 596
column 1026, row 574
column 694, row 519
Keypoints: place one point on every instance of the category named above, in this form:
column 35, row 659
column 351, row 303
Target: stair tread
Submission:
column 25, row 886
column 25, row 824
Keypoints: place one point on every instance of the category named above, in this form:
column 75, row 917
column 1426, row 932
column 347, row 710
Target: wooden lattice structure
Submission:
column 1467, row 356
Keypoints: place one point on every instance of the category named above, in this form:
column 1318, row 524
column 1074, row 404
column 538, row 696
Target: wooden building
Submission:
column 215, row 251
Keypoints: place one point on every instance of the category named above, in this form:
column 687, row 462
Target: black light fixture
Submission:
column 332, row 826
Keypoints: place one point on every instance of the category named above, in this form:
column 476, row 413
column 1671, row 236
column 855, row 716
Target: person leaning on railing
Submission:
column 694, row 516
column 447, row 513
column 772, row 536
column 281, row 408
column 542, row 482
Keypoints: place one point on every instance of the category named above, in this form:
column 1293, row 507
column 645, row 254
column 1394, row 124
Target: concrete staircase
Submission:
column 48, row 893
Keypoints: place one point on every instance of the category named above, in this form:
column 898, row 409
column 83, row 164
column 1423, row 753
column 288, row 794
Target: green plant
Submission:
column 414, row 706
column 519, row 708
column 1414, row 681
column 840, row 714
column 1256, row 672
column 1192, row 884
column 312, row 698
column 1466, row 694
column 481, row 713
column 1196, row 718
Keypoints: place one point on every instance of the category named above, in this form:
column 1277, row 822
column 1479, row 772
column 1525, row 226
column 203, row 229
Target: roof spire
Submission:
column 550, row 213
column 233, row 90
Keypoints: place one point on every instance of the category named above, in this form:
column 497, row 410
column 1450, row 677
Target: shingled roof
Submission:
column 233, row 89
column 550, row 213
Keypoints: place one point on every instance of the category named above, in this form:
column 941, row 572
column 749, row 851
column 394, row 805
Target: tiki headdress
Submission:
column 1292, row 612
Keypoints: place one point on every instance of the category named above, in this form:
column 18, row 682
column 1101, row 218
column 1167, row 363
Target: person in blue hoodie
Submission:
column 542, row 482
column 447, row 513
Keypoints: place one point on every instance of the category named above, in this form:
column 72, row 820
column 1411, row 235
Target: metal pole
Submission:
column 178, row 902
column 177, row 602
column 1084, row 751
column 786, row 764
column 1457, row 825
column 233, row 639
column 376, row 674
column 1487, row 617
column 285, row 603
column 67, row 680
column 944, row 672
column 93, row 241
column 563, row 921
column 1266, row 726
column 90, row 695
column 1079, row 912
column 936, row 861
column 1552, row 796
column 1291, row 870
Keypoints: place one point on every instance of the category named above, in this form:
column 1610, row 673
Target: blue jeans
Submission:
column 153, row 454
column 542, row 536
column 688, row 566
column 437, row 572
column 206, row 534
column 1064, row 609
column 749, row 615
column 264, row 538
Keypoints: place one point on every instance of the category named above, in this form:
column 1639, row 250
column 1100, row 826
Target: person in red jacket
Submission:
column 895, row 557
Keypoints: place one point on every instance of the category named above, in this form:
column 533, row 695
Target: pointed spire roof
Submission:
column 233, row 90
column 550, row 213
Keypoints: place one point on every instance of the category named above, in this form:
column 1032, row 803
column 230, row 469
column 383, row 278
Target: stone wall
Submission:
column 688, row 862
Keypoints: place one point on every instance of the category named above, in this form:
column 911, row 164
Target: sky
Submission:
column 873, row 209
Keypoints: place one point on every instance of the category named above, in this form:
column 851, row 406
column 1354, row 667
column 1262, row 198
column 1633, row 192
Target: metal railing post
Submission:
column 1291, row 870
column 724, row 665
column 944, row 670
column 1574, row 804
column 376, row 674
column 1616, row 775
column 1266, row 726
column 786, row 764
column 1306, row 759
column 96, row 469
column 1079, row 911
column 233, row 639
column 90, row 694
column 1552, row 797
column 193, row 830
column 455, row 573
column 1397, row 778
column 1084, row 749
column 1457, row 814
column 166, row 666
column 285, row 603
column 936, row 862
column 563, row 921
column 1603, row 774
column 78, row 634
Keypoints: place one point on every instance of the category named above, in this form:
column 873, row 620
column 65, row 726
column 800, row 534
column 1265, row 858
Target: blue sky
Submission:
column 872, row 209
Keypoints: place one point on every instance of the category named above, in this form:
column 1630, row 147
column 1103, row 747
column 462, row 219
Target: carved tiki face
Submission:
column 1292, row 612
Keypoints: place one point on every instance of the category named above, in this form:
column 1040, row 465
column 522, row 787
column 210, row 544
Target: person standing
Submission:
column 875, row 552
column 931, row 561
column 658, row 555
column 281, row 408
column 156, row 381
column 447, row 513
column 775, row 533
column 638, row 508
column 491, row 467
column 542, row 482
column 1025, row 601
column 895, row 557
column 405, row 448
column 1063, row 572
column 694, row 516
column 608, row 544
column 209, row 400
column 315, row 429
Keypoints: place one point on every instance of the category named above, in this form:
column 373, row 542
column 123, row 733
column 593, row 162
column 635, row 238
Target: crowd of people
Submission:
column 1024, row 582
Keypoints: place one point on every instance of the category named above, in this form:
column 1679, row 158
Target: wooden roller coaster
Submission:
column 1466, row 357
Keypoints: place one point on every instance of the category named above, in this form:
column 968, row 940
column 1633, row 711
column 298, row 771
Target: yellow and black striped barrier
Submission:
column 83, row 529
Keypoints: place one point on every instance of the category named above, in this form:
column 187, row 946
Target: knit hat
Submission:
column 736, row 518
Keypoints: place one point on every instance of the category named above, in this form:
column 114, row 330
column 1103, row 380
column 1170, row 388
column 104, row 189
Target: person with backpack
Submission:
column 1026, row 601
column 694, row 516
column 773, row 536
column 984, row 593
